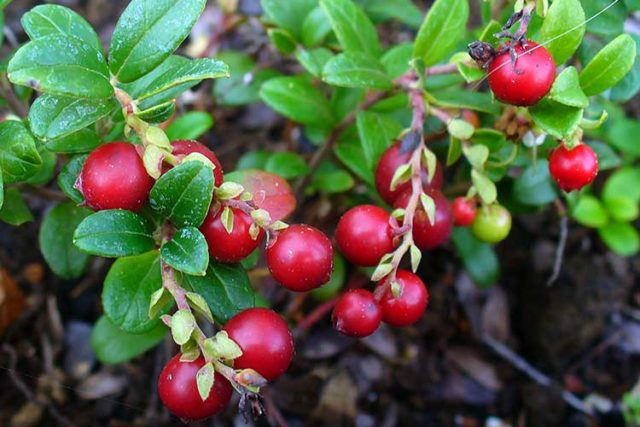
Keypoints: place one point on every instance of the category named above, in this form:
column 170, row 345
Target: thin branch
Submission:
column 16, row 105
column 562, row 242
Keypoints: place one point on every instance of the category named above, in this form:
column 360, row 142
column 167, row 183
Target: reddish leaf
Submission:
column 11, row 300
column 270, row 191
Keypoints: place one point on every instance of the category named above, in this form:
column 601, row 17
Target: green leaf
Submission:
column 226, row 288
column 148, row 32
column 56, row 240
column 191, row 125
column 622, row 209
column 623, row 183
column 114, row 233
column 494, row 140
column 460, row 129
column 376, row 132
column 287, row 164
column 297, row 99
column 464, row 99
column 479, row 259
column 609, row 66
column 4, row 4
column 187, row 251
column 610, row 23
column 352, row 27
column 315, row 28
column 282, row 40
column 158, row 113
column 19, row 157
column 589, row 212
column 607, row 157
column 442, row 29
column 68, row 177
column 623, row 134
column 127, row 291
column 564, row 20
column 174, row 76
column 184, row 194
column 455, row 150
column 535, row 186
column 314, row 60
column 14, row 210
column 47, row 64
column 621, row 237
column 113, row 346
column 477, row 155
column 556, row 119
column 355, row 69
column 328, row 178
column 630, row 85
column 53, row 117
column 351, row 153
column 82, row 141
column 47, row 169
column 289, row 15
column 566, row 89
column 402, row 10
column 1, row 189
column 397, row 60
column 244, row 84
column 485, row 187
column 204, row 380
column 51, row 19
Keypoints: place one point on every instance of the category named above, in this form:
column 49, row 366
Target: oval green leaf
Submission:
column 297, row 99
column 441, row 30
column 352, row 27
column 609, row 66
column 187, row 251
column 112, row 345
column 356, row 69
column 564, row 20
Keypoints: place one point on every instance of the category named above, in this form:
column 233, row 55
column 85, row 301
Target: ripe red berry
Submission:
column 357, row 314
column 464, row 211
column 229, row 247
column 364, row 235
column 301, row 258
column 426, row 235
column 390, row 161
column 178, row 390
column 408, row 307
column 574, row 168
column 114, row 177
column 265, row 341
column 528, row 80
column 185, row 147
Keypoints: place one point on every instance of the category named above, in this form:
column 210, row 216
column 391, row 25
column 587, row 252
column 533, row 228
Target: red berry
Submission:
column 528, row 80
column 114, row 177
column 409, row 306
column 185, row 147
column 464, row 211
column 178, row 390
column 265, row 341
column 357, row 314
column 574, row 168
column 229, row 247
column 364, row 235
column 301, row 258
column 426, row 235
column 390, row 161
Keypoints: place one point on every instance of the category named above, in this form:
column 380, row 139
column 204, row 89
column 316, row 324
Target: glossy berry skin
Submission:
column 301, row 258
column 390, row 161
column 225, row 247
column 185, row 147
column 492, row 224
column 357, row 314
column 464, row 211
column 114, row 177
column 526, row 82
column 178, row 390
column 409, row 306
column 265, row 341
column 426, row 235
column 364, row 235
column 574, row 168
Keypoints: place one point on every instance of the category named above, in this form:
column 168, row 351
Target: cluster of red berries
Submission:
column 300, row 257
column 267, row 348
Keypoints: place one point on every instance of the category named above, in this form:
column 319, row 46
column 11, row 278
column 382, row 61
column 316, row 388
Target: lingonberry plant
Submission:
column 396, row 130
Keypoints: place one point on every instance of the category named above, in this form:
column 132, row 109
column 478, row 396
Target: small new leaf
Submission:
column 254, row 231
column 485, row 187
column 182, row 325
column 229, row 190
column 198, row 303
column 222, row 347
column 403, row 174
column 205, row 379
column 477, row 155
column 190, row 351
column 152, row 159
column 398, row 213
column 227, row 219
column 430, row 162
column 396, row 289
column 381, row 271
column 429, row 206
column 279, row 225
column 460, row 129
column 198, row 157
column 156, row 136
column 416, row 256
column 261, row 217
column 159, row 300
